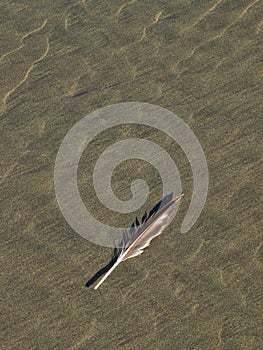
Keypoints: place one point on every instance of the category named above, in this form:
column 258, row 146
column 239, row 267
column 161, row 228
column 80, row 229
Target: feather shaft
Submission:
column 107, row 274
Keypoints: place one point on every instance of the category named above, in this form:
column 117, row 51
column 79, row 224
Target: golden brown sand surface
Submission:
column 61, row 60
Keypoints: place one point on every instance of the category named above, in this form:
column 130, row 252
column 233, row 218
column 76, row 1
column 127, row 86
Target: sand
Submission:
column 61, row 60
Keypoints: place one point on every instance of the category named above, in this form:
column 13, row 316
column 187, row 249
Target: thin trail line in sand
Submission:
column 7, row 95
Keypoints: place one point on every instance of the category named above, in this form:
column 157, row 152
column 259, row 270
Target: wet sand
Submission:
column 201, row 60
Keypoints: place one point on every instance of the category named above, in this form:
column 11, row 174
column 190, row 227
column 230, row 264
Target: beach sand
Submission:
column 61, row 60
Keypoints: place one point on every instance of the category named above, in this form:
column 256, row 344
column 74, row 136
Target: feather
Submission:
column 142, row 236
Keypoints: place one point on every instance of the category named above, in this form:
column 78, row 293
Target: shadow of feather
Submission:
column 105, row 269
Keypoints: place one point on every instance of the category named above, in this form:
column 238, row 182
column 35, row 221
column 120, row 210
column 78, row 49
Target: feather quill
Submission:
column 142, row 236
